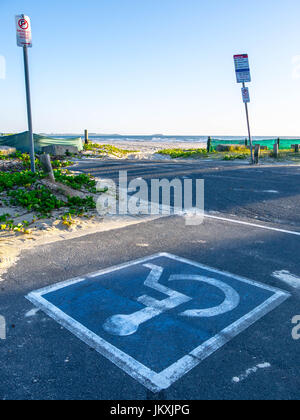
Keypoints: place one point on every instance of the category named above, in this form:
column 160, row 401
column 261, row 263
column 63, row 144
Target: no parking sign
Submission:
column 23, row 26
column 246, row 95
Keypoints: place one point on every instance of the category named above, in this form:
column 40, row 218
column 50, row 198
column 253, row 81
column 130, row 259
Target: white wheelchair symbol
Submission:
column 125, row 325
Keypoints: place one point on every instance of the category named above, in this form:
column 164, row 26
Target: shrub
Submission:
column 181, row 153
column 40, row 200
column 77, row 182
column 18, row 179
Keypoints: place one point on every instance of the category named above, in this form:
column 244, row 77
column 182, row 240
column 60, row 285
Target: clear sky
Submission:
column 152, row 66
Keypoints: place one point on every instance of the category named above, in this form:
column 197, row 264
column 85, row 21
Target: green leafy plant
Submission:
column 25, row 159
column 24, row 189
column 18, row 179
column 77, row 182
column 182, row 153
column 241, row 156
column 78, row 205
column 7, row 224
column 107, row 149
column 40, row 200
column 58, row 164
column 67, row 220
column 4, row 217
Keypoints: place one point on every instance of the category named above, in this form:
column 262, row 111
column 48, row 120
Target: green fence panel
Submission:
column 287, row 143
column 22, row 142
column 284, row 144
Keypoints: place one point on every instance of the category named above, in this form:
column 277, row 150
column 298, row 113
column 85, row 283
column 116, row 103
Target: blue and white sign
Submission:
column 242, row 68
column 159, row 317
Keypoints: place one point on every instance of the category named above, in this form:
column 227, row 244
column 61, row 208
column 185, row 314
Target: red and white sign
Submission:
column 23, row 31
column 242, row 68
column 246, row 95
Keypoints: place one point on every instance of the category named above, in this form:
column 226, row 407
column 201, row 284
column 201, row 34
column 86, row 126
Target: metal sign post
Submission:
column 24, row 41
column 242, row 69
column 29, row 115
column 246, row 101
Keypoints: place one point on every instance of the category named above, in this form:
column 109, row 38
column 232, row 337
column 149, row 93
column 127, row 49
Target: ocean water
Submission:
column 165, row 139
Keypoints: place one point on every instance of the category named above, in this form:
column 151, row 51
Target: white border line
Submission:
column 156, row 382
column 240, row 222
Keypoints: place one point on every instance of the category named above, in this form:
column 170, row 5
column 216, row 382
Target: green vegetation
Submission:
column 230, row 153
column 4, row 217
column 24, row 158
column 4, row 157
column 77, row 182
column 233, row 149
column 18, row 179
column 40, row 200
column 242, row 156
column 25, row 190
column 7, row 224
column 58, row 164
column 78, row 206
column 107, row 149
column 181, row 153
column 67, row 220
column 235, row 153
column 286, row 155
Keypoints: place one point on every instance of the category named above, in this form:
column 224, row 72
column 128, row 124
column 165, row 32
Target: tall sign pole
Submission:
column 24, row 40
column 246, row 99
column 242, row 69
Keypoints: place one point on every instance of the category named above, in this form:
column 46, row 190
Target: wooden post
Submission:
column 278, row 142
column 275, row 150
column 257, row 153
column 208, row 144
column 246, row 142
column 86, row 137
column 47, row 166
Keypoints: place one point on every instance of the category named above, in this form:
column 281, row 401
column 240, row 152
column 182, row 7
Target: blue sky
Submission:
column 152, row 66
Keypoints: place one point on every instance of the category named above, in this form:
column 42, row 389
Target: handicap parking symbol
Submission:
column 159, row 317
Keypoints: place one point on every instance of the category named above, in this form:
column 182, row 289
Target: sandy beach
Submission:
column 149, row 149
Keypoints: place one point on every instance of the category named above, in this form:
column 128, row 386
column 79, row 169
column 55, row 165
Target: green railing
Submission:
column 284, row 144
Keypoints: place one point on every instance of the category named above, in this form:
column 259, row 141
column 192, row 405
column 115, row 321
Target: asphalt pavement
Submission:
column 42, row 358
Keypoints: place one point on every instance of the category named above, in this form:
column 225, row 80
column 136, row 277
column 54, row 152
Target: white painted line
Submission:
column 288, row 278
column 131, row 366
column 269, row 191
column 249, row 372
column 223, row 273
column 32, row 313
column 232, row 298
column 256, row 191
column 239, row 222
column 154, row 381
column 2, row 328
column 124, row 325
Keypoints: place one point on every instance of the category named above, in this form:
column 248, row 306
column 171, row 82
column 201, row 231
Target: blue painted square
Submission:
column 152, row 313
